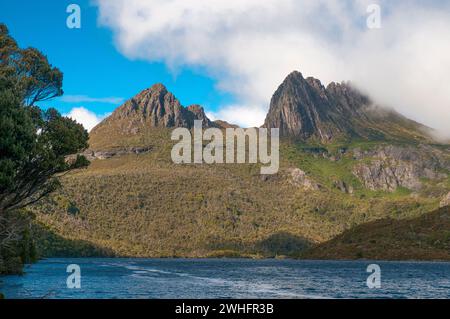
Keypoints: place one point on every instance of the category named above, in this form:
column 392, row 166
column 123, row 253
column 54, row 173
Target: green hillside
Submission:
column 422, row 238
column 146, row 206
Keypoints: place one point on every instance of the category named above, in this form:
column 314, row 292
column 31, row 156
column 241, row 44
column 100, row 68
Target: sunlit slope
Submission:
column 144, row 205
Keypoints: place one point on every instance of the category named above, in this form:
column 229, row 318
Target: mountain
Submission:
column 153, row 107
column 305, row 109
column 343, row 164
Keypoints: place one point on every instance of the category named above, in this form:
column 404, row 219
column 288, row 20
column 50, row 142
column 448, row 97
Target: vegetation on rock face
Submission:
column 34, row 144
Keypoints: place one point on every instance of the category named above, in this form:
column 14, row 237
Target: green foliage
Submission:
column 17, row 136
column 34, row 144
column 38, row 79
column 282, row 244
column 8, row 52
column 325, row 165
column 33, row 77
column 16, row 243
column 73, row 209
column 34, row 151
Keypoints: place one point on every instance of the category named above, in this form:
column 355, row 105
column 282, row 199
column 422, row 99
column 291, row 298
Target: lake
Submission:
column 227, row 278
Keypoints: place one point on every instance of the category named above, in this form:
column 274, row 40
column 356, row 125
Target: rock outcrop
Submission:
column 302, row 108
column 389, row 167
column 196, row 112
column 224, row 124
column 343, row 187
column 154, row 107
column 101, row 155
column 445, row 201
column 387, row 176
column 300, row 179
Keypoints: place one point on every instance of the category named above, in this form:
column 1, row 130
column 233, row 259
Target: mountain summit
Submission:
column 305, row 109
column 154, row 107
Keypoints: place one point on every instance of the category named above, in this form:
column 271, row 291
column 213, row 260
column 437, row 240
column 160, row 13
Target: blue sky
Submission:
column 96, row 76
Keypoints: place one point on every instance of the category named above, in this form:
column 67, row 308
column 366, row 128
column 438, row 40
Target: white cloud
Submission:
column 88, row 99
column 85, row 117
column 242, row 115
column 249, row 46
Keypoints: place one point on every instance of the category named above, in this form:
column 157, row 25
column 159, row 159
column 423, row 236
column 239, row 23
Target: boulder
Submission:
column 445, row 201
column 300, row 179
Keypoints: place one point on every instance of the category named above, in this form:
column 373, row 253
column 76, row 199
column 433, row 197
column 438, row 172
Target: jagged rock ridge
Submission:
column 305, row 109
column 154, row 107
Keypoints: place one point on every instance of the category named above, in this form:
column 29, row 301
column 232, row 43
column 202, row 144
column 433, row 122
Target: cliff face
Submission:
column 305, row 109
column 389, row 167
column 154, row 107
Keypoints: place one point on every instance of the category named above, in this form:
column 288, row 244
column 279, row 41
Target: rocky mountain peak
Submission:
column 198, row 113
column 302, row 108
column 294, row 76
column 315, row 83
column 156, row 92
column 158, row 87
column 155, row 107
column 306, row 109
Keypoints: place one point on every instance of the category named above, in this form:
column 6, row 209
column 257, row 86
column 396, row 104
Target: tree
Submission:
column 34, row 76
column 34, row 144
column 37, row 78
column 8, row 46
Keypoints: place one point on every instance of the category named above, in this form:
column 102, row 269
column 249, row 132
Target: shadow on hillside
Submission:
column 49, row 244
column 426, row 237
column 278, row 244
column 282, row 244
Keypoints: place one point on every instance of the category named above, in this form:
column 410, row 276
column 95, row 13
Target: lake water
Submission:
column 227, row 278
